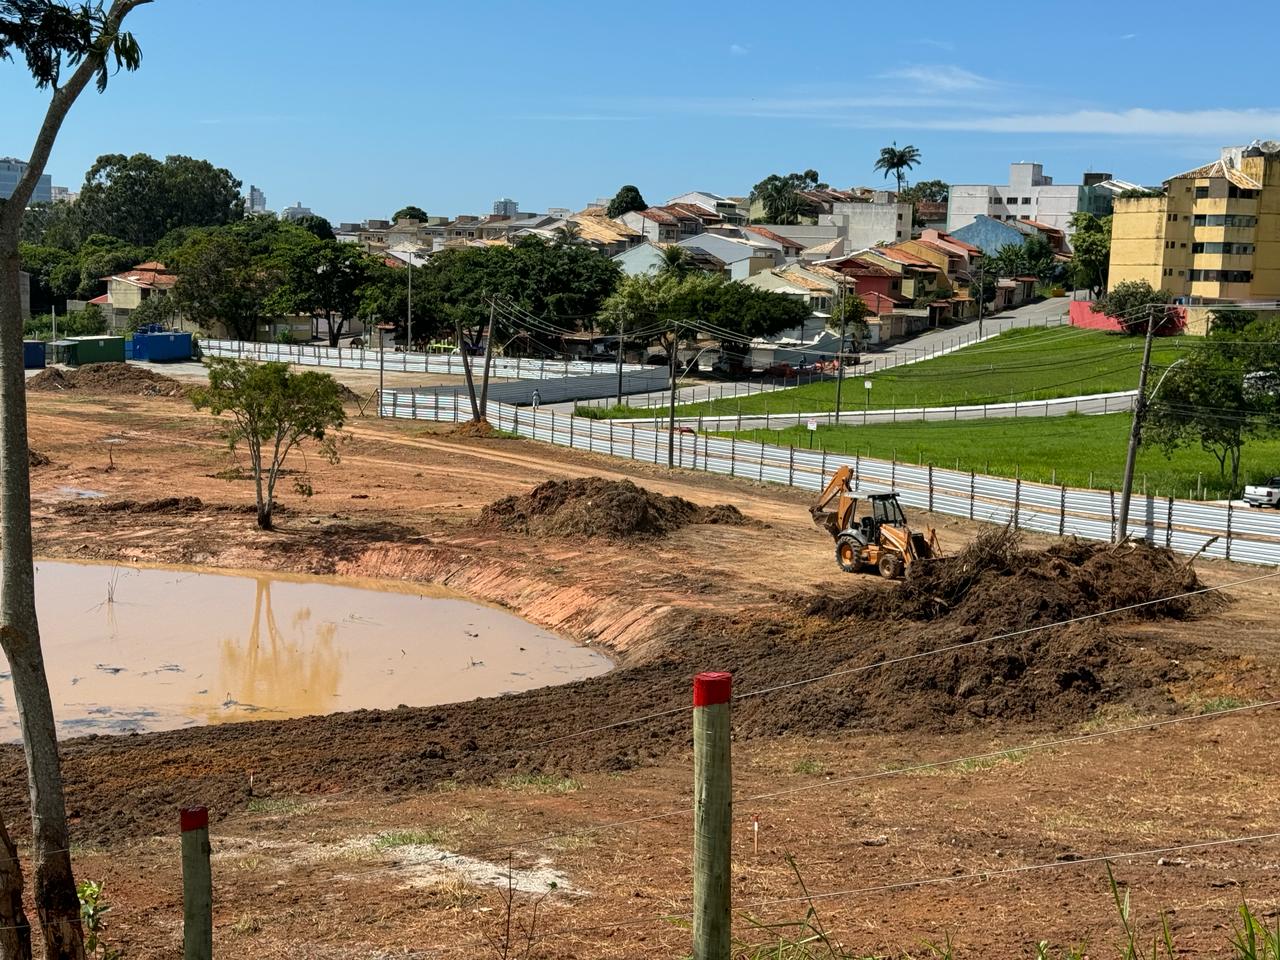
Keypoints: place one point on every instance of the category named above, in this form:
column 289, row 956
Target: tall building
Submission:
column 257, row 200
column 1212, row 234
column 1030, row 195
column 11, row 171
column 296, row 212
column 506, row 207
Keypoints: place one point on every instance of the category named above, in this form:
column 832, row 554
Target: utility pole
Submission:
column 982, row 295
column 488, row 362
column 844, row 312
column 620, row 330
column 408, row 333
column 1135, row 430
column 466, row 371
column 671, row 422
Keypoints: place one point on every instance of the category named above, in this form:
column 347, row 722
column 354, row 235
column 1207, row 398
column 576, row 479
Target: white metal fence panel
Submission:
column 1187, row 527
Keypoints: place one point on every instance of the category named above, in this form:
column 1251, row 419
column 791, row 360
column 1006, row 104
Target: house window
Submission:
column 1202, row 193
column 1026, row 200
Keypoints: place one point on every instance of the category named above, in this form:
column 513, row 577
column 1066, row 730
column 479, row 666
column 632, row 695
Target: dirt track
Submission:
column 402, row 504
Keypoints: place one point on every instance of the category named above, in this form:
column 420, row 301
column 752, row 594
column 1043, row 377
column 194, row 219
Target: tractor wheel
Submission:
column 847, row 549
column 890, row 566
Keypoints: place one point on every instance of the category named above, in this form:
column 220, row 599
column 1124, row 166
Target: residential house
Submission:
column 645, row 257
column 989, row 234
column 732, row 210
column 664, row 224
column 826, row 250
column 1030, row 195
column 127, row 290
column 931, row 215
column 609, row 237
column 790, row 248
column 869, row 221
column 807, row 343
column 1212, row 236
column 814, row 203
column 805, row 234
column 923, row 283
column 743, row 258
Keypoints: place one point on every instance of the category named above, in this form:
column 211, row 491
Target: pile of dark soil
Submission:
column 595, row 507
column 116, row 379
column 36, row 459
column 984, row 635
column 994, row 583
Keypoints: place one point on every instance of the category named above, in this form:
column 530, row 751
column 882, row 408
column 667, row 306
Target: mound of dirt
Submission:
column 473, row 428
column 116, row 379
column 973, row 637
column 993, row 583
column 36, row 459
column 595, row 507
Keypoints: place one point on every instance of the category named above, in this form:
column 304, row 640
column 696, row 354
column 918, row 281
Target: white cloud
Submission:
column 738, row 50
column 939, row 78
column 1129, row 36
column 1140, row 122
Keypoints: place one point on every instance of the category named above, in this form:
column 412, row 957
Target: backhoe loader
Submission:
column 880, row 539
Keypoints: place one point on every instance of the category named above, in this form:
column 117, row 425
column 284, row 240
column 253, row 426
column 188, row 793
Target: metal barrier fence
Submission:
column 1096, row 403
column 305, row 354
column 1188, row 527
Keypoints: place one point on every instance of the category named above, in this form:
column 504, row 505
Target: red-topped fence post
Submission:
column 712, row 816
column 197, row 885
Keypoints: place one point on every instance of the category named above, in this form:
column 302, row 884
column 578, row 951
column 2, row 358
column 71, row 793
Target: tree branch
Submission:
column 59, row 105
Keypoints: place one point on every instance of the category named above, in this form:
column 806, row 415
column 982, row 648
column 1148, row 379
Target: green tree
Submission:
column 627, row 199
column 926, row 191
column 220, row 282
column 64, row 47
column 272, row 410
column 53, row 225
column 78, row 323
column 1033, row 257
column 780, row 195
column 327, row 279
column 410, row 213
column 1134, row 303
column 853, row 311
column 568, row 233
column 1090, row 251
column 316, row 225
column 139, row 199
column 897, row 160
column 155, row 309
column 675, row 261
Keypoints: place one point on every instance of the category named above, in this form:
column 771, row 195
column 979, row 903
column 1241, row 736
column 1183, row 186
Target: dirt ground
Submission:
column 375, row 834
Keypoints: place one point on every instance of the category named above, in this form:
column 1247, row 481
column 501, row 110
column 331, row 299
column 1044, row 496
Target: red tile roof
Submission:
column 775, row 237
column 901, row 256
column 152, row 274
column 102, row 300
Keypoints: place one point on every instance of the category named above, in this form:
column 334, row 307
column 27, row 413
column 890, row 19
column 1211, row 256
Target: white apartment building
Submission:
column 1029, row 195
column 881, row 220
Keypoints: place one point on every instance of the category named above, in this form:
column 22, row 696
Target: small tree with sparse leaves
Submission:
column 272, row 410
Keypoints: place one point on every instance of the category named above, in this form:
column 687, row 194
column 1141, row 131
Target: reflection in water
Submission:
column 165, row 649
column 281, row 676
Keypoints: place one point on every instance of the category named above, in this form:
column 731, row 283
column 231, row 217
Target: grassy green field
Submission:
column 1026, row 364
column 1075, row 450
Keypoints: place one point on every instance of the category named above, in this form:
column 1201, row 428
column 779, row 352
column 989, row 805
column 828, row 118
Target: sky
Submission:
column 357, row 107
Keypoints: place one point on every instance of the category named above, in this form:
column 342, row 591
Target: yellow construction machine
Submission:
column 878, row 540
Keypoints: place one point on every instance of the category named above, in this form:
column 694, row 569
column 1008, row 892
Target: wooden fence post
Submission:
column 1062, row 511
column 733, row 455
column 931, row 488
column 1168, row 528
column 712, row 816
column 1228, row 543
column 1017, row 500
column 1112, row 492
column 972, row 489
column 791, row 465
column 197, row 885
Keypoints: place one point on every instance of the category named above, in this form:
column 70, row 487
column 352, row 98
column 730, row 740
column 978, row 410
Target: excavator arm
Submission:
column 834, row 506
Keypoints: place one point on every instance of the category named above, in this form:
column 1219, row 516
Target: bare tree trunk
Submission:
column 55, row 890
column 15, row 931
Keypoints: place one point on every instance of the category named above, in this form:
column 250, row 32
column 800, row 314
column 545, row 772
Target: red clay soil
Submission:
column 107, row 379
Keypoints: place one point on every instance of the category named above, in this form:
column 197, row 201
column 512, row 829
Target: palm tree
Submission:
column 568, row 233
column 675, row 262
column 897, row 161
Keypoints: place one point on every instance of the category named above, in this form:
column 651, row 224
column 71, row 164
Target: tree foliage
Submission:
column 410, row 212
column 780, row 195
column 1033, row 257
column 316, row 225
column 221, row 282
column 1090, row 251
column 139, row 198
column 272, row 410
column 926, row 191
column 627, row 199
column 897, row 161
column 1134, row 303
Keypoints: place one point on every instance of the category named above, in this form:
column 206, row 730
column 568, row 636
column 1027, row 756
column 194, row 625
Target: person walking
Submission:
column 537, row 399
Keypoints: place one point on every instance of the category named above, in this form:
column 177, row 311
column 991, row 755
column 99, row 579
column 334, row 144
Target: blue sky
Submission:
column 358, row 107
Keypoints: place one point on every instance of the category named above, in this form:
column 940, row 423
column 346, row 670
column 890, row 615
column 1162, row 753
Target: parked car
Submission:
column 1263, row 495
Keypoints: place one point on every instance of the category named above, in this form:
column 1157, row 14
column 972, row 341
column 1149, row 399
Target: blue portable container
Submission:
column 164, row 347
column 33, row 354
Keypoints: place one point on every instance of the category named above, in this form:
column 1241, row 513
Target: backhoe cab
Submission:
column 879, row 539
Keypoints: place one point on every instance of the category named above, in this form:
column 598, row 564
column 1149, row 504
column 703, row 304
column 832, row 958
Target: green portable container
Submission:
column 100, row 349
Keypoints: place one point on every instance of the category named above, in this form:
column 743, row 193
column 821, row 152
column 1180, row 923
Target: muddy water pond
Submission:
column 141, row 649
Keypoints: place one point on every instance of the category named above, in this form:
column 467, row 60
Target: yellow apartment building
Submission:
column 1213, row 236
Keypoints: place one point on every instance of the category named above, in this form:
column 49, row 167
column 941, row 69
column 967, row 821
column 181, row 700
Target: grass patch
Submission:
column 1078, row 451
column 809, row 765
column 540, row 783
column 279, row 806
column 1026, row 364
column 1218, row 704
column 393, row 839
column 247, row 924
